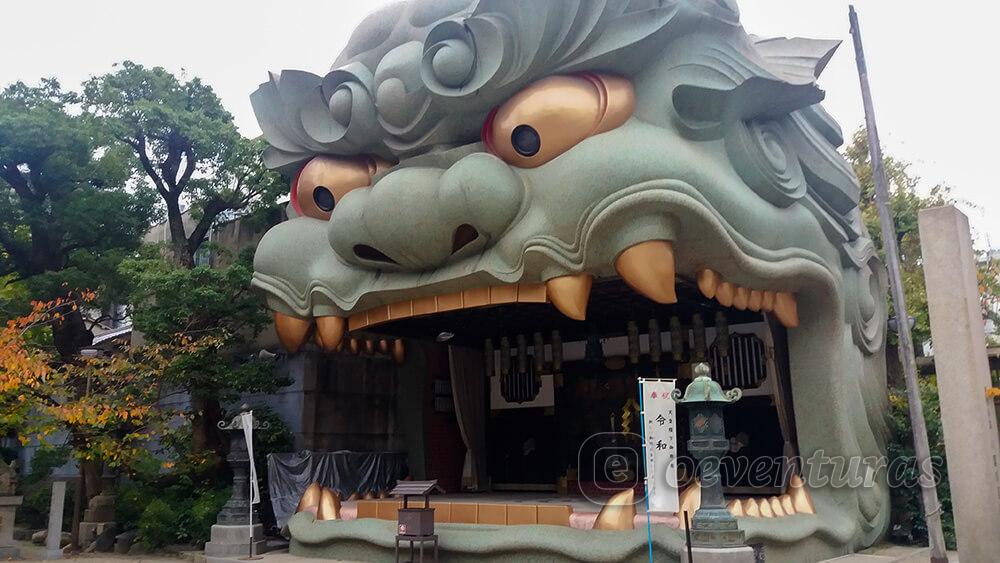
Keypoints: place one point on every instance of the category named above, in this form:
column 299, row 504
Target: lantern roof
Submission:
column 704, row 389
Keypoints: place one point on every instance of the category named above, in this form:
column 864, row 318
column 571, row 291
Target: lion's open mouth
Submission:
column 737, row 325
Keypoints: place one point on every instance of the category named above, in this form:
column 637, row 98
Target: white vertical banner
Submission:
column 246, row 420
column 660, row 434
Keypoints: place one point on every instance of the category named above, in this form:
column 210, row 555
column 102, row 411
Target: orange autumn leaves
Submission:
column 21, row 366
column 104, row 406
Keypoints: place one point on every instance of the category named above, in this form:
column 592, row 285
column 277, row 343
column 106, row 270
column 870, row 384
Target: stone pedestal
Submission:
column 53, row 549
column 99, row 517
column 963, row 374
column 8, row 505
column 719, row 555
column 233, row 542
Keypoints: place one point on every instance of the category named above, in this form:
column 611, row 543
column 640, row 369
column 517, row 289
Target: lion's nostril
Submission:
column 366, row 252
column 464, row 234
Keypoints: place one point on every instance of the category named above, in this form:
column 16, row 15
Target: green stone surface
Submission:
column 728, row 154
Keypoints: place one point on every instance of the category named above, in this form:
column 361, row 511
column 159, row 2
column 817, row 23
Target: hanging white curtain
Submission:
column 468, row 387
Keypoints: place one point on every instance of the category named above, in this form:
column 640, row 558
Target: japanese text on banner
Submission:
column 659, row 422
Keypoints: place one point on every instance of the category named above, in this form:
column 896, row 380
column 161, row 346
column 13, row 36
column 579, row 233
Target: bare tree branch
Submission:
column 139, row 144
column 212, row 209
column 189, row 166
column 16, row 179
column 169, row 166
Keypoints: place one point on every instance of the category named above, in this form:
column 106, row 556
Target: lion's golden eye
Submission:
column 552, row 115
column 325, row 180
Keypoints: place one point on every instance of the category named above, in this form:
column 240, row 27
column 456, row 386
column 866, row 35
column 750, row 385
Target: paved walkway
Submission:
column 888, row 553
column 31, row 552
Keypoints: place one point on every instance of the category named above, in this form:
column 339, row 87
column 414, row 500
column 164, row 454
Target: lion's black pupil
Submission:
column 323, row 198
column 525, row 140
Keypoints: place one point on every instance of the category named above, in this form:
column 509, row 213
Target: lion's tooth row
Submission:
column 569, row 294
column 782, row 303
column 329, row 331
column 770, row 507
column 647, row 267
column 795, row 501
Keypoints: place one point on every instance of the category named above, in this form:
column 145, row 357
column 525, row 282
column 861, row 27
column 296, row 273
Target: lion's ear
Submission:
column 760, row 78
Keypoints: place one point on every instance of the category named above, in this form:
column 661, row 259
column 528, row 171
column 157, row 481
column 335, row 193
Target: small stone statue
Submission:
column 8, row 478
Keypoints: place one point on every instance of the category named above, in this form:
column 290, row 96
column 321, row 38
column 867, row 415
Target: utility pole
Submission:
column 932, row 508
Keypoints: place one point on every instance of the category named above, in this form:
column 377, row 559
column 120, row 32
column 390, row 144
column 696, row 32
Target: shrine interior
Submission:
column 567, row 423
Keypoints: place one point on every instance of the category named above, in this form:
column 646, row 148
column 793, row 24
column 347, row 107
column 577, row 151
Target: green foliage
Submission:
column 989, row 293
column 203, row 302
column 181, row 505
column 204, row 510
column 159, row 524
column 909, row 525
column 67, row 214
column 131, row 499
column 906, row 202
column 169, row 300
column 277, row 437
column 170, row 509
column 185, row 144
column 151, row 105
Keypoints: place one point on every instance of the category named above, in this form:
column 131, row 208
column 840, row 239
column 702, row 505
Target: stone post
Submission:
column 232, row 530
column 53, row 549
column 967, row 414
column 8, row 506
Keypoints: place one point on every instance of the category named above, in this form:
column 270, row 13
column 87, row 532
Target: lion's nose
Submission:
column 420, row 218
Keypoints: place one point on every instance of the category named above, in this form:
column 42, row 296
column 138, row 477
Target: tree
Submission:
column 104, row 404
column 186, row 145
column 906, row 202
column 989, row 293
column 213, row 305
column 67, row 216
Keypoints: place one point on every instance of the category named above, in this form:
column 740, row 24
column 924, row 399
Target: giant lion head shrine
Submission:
column 581, row 200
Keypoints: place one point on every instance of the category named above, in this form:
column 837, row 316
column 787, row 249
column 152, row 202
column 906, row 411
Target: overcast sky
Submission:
column 932, row 64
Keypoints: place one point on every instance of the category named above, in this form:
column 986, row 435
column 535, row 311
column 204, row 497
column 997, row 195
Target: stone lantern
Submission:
column 712, row 526
column 234, row 527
